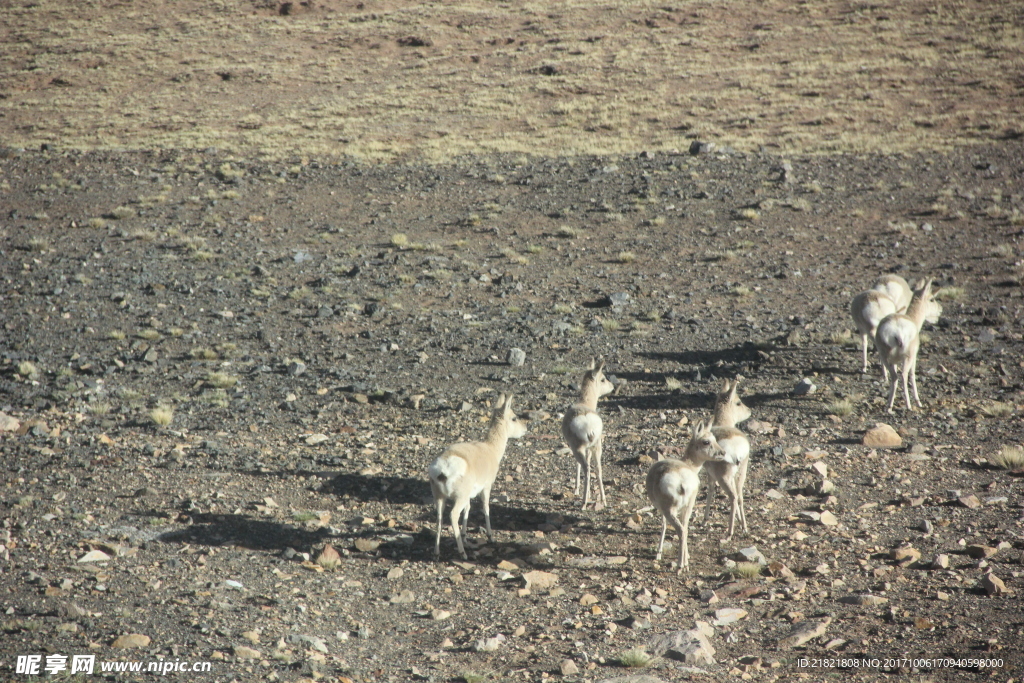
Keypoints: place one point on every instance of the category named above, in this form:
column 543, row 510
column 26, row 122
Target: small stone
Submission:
column 970, row 501
column 828, row 519
column 296, row 368
column 617, row 299
column 941, row 561
column 821, row 468
column 538, row 580
column 864, row 600
column 395, row 573
column 750, row 554
column 316, row 439
column 587, row 600
column 981, row 552
column 508, row 566
column 805, row 631
column 993, row 585
column 94, row 556
column 367, row 545
column 403, row 598
column 882, row 436
column 804, row 387
column 944, row 597
column 8, row 423
column 243, row 652
column 568, row 667
column 781, row 571
column 922, row 624
column 440, row 614
column 709, row 597
column 926, row 526
column 728, row 615
column 516, row 357
column 692, row 646
column 251, row 636
column 133, row 640
column 489, row 644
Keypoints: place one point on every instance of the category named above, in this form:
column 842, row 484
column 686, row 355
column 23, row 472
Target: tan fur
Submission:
column 898, row 339
column 732, row 472
column 583, row 429
column 672, row 487
column 468, row 469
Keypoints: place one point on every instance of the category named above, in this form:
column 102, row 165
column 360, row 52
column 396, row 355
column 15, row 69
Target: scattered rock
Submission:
column 568, row 667
column 750, row 554
column 970, row 502
column 296, row 368
column 367, row 545
column 728, row 615
column 941, row 561
column 906, row 555
column 804, row 387
column 804, row 632
column 538, row 580
column 316, row 439
column 243, row 652
column 828, row 519
column 993, row 585
column 691, row 647
column 94, row 556
column 396, row 573
column 8, row 423
column 882, row 436
column 587, row 600
column 864, row 600
column 489, row 644
column 440, row 614
column 403, row 598
column 590, row 561
column 516, row 357
column 133, row 640
column 981, row 552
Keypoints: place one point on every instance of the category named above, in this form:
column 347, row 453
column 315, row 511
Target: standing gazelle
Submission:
column 899, row 338
column 890, row 294
column 672, row 486
column 468, row 469
column 732, row 472
column 583, row 430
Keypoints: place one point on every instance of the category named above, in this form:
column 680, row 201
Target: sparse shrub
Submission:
column 221, row 380
column 842, row 338
column 637, row 658
column 749, row 214
column 654, row 315
column 97, row 223
column 950, row 294
column 672, row 384
column 626, row 257
column 563, row 309
column 997, row 409
column 300, row 293
column 841, row 407
column 116, row 335
column 1009, row 458
column 203, row 256
column 746, row 570
column 161, row 416
column 149, row 334
column 610, row 325
column 218, row 398
column 741, row 291
column 400, row 240
column 568, row 232
column 1002, row 251
column 560, row 370
column 534, row 249
column 203, row 354
column 99, row 408
column 122, row 212
column 39, row 244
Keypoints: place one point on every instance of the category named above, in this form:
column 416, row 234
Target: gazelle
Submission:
column 672, row 486
column 890, row 294
column 468, row 469
column 732, row 472
column 583, row 430
column 899, row 338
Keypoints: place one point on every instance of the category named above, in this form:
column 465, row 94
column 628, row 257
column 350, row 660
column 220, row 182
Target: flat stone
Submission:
column 587, row 600
column 804, row 387
column 396, row 573
column 993, row 585
column 828, row 519
column 538, row 580
column 882, row 436
column 8, row 423
column 132, row 640
column 691, row 646
column 970, row 501
column 728, row 615
column 366, row 545
column 750, row 554
column 864, row 600
column 804, row 632
column 516, row 357
column 981, row 552
column 440, row 614
column 906, row 554
column 243, row 652
column 316, row 439
column 941, row 561
column 94, row 556
column 568, row 667
column 596, row 561
column 403, row 598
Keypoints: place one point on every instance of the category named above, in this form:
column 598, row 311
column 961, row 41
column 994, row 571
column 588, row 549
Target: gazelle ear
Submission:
column 698, row 429
column 592, row 364
column 500, row 402
column 735, row 386
column 600, row 366
column 508, row 403
column 725, row 385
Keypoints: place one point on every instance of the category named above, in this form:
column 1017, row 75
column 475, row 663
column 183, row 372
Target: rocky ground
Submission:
column 213, row 368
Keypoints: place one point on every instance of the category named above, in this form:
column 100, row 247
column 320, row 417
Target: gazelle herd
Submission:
column 890, row 313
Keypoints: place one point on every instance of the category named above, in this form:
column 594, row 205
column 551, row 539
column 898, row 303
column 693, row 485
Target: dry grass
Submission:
column 626, row 257
column 746, row 570
column 637, row 658
column 951, row 294
column 161, row 416
column 841, row 407
column 1009, row 458
column 997, row 409
column 221, row 380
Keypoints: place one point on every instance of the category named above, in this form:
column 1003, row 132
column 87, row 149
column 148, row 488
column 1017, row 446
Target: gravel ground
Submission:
column 214, row 367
